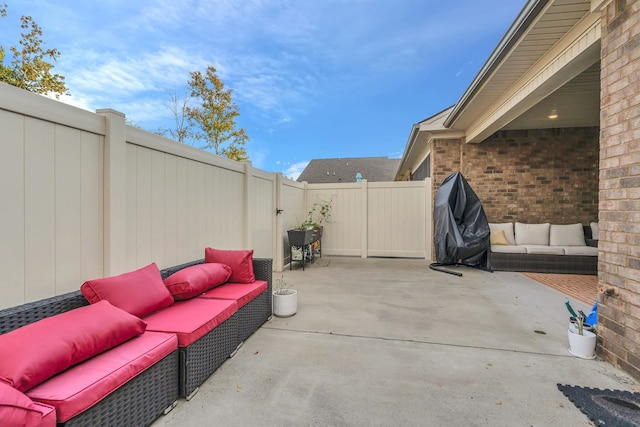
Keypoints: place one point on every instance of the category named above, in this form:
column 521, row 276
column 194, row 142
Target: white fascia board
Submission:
column 598, row 5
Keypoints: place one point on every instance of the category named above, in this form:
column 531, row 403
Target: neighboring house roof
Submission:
column 373, row 169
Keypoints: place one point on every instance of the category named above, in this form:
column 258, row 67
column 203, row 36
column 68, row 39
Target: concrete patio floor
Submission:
column 389, row 342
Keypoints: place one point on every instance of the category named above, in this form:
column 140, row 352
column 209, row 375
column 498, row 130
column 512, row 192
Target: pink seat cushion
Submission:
column 242, row 293
column 18, row 410
column 192, row 319
column 240, row 261
column 192, row 281
column 82, row 386
column 138, row 292
column 36, row 352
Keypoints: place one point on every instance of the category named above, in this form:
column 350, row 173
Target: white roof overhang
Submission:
column 548, row 60
column 550, row 44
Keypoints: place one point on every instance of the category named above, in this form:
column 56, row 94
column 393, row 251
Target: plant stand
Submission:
column 303, row 239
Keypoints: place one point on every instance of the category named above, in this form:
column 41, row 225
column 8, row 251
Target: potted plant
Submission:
column 319, row 213
column 285, row 298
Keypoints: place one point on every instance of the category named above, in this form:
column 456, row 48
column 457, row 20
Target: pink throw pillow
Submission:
column 240, row 261
column 34, row 353
column 139, row 292
column 197, row 279
column 16, row 409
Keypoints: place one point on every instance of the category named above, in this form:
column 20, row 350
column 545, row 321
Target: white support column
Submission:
column 306, row 198
column 248, row 205
column 115, row 191
column 278, row 233
column 364, row 215
column 428, row 215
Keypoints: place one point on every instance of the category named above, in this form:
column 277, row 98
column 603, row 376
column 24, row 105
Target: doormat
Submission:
column 579, row 286
column 612, row 408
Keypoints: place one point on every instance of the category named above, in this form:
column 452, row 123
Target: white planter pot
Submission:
column 285, row 305
column 583, row 346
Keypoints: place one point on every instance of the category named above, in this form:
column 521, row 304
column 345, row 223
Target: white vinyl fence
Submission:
column 376, row 219
column 85, row 196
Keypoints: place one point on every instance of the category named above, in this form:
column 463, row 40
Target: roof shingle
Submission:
column 373, row 169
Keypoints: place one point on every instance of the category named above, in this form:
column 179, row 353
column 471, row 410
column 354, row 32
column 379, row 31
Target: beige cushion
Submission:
column 498, row 238
column 594, row 230
column 532, row 234
column 507, row 227
column 544, row 249
column 581, row 250
column 510, row 249
column 566, row 235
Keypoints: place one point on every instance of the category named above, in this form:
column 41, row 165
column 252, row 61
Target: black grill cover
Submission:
column 461, row 232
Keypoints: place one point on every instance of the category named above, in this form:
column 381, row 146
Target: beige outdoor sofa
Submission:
column 544, row 248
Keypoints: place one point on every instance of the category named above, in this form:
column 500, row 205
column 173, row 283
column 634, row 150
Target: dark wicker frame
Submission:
column 544, row 263
column 199, row 360
column 547, row 263
column 139, row 401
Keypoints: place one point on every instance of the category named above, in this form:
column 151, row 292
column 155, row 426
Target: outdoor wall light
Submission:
column 553, row 114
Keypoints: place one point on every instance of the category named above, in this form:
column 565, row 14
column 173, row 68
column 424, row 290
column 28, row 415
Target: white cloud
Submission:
column 294, row 171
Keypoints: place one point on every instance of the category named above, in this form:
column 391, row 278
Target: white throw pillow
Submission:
column 566, row 235
column 594, row 230
column 532, row 234
column 507, row 227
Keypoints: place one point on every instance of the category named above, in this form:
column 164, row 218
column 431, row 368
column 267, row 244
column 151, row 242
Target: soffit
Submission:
column 577, row 104
column 551, row 25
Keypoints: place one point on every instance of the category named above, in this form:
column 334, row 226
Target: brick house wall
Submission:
column 619, row 262
column 540, row 175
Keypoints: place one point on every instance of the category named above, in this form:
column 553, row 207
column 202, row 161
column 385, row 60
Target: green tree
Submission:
column 30, row 68
column 215, row 115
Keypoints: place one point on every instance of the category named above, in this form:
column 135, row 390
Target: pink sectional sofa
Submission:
column 142, row 342
column 90, row 363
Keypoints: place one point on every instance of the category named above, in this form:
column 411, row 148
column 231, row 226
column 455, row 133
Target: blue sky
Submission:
column 312, row 79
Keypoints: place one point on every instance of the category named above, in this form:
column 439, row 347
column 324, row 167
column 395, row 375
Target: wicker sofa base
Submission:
column 251, row 316
column 199, row 360
column 543, row 263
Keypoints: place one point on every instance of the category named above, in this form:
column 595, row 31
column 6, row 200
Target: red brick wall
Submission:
column 540, row 175
column 619, row 265
column 445, row 159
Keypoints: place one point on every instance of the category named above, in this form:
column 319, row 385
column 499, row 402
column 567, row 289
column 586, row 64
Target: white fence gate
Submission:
column 377, row 219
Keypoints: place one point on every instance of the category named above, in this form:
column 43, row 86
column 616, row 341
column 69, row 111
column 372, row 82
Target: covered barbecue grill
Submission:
column 461, row 234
